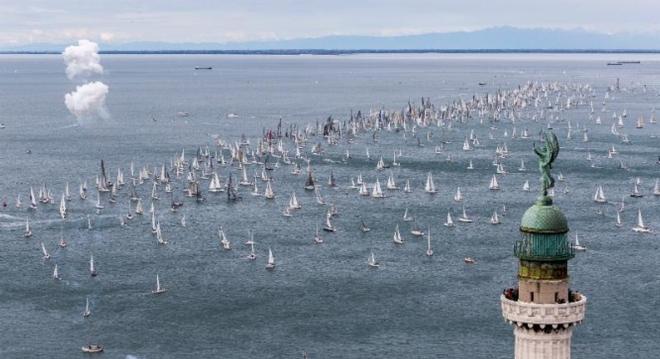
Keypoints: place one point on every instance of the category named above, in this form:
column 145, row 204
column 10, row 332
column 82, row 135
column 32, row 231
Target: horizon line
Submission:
column 345, row 51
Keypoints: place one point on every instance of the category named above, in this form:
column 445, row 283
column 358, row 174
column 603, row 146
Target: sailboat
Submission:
column 416, row 231
column 458, row 197
column 406, row 216
column 268, row 192
column 62, row 243
column 138, row 207
column 618, row 219
column 470, row 165
column 449, row 222
column 33, row 200
column 495, row 219
column 87, row 311
column 391, row 184
column 635, row 192
column 319, row 198
column 599, row 196
column 640, row 227
column 309, row 184
column 525, row 186
column 576, row 245
column 464, row 218
column 63, row 207
column 522, row 166
column 19, row 204
column 466, row 145
column 293, row 202
column 656, row 188
column 429, row 187
column 253, row 255
column 98, row 204
column 67, row 193
column 372, row 261
column 226, row 245
column 363, row 227
column 377, row 192
column 397, row 236
column 271, row 261
column 494, row 186
column 92, row 268
column 44, row 251
column 429, row 251
column 328, row 227
column 183, row 220
column 28, row 230
column 407, row 188
column 83, row 190
column 158, row 289
column 159, row 234
column 56, row 273
column 317, row 236
column 380, row 165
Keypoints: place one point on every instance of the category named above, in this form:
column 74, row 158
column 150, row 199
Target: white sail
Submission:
column 458, row 197
column 44, row 251
column 526, row 186
column 429, row 187
column 271, row 260
column 28, row 230
column 377, row 191
column 407, row 188
column 640, row 227
column 92, row 269
column 268, row 192
column 494, row 219
column 397, row 236
column 449, row 222
column 493, row 186
column 56, row 273
column 429, row 251
column 87, row 311
column 158, row 289
column 372, row 261
column 63, row 206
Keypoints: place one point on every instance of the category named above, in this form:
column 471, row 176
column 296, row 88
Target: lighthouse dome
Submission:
column 544, row 217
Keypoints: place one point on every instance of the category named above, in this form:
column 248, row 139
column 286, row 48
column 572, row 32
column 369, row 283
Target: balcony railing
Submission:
column 544, row 314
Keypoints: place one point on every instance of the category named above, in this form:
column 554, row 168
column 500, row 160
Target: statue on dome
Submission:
column 547, row 154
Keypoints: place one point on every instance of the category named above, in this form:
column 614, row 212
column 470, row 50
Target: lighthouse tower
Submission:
column 542, row 308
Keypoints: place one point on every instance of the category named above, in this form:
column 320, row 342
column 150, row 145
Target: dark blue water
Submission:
column 322, row 298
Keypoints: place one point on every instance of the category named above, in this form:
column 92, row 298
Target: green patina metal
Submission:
column 543, row 226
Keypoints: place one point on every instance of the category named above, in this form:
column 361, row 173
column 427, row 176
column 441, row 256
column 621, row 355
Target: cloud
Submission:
column 82, row 59
column 88, row 100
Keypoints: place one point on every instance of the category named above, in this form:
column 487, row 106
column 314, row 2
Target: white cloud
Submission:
column 88, row 100
column 82, row 59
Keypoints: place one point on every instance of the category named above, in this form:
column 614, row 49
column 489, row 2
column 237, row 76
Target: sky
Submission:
column 120, row 21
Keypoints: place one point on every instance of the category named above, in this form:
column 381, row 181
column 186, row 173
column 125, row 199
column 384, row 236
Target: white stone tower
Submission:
column 542, row 309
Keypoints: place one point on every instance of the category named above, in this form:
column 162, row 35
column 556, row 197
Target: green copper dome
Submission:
column 543, row 217
column 543, row 229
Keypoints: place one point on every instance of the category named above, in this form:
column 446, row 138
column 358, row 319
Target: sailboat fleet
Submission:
column 213, row 175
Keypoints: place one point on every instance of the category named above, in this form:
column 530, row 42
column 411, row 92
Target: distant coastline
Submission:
column 350, row 51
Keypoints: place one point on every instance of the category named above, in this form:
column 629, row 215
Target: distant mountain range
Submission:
column 496, row 38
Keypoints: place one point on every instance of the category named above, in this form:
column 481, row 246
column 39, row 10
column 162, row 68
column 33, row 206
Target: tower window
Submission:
column 531, row 296
column 556, row 297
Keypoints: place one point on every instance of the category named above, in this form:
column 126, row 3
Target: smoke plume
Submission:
column 88, row 99
column 82, row 59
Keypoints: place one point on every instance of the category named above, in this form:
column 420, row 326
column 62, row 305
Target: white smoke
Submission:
column 88, row 99
column 82, row 59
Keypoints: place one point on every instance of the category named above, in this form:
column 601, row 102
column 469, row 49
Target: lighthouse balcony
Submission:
column 542, row 315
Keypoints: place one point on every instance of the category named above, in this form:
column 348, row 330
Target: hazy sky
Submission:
column 63, row 21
